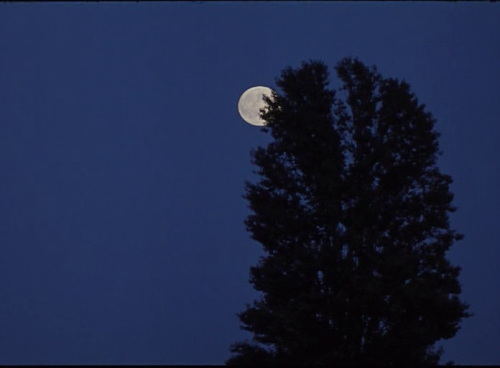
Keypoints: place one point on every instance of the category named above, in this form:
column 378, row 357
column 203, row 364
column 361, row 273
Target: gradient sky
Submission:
column 123, row 161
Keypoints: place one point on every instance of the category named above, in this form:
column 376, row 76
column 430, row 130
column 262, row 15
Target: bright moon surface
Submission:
column 251, row 102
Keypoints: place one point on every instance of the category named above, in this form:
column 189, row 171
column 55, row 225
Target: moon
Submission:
column 251, row 102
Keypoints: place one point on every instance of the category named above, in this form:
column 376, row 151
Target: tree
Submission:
column 352, row 213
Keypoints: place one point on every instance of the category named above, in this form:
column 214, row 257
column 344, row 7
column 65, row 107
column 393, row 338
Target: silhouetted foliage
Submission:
column 352, row 213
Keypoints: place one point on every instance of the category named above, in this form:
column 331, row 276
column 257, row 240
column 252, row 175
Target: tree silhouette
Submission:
column 352, row 213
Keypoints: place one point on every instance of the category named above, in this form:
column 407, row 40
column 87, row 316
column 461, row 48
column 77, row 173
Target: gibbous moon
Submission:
column 251, row 102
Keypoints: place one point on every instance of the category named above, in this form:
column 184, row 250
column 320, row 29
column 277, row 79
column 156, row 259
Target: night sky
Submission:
column 123, row 160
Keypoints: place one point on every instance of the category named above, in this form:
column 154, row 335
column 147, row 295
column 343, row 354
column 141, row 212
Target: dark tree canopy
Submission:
column 352, row 213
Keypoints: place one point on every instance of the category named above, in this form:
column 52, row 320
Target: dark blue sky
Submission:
column 123, row 158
